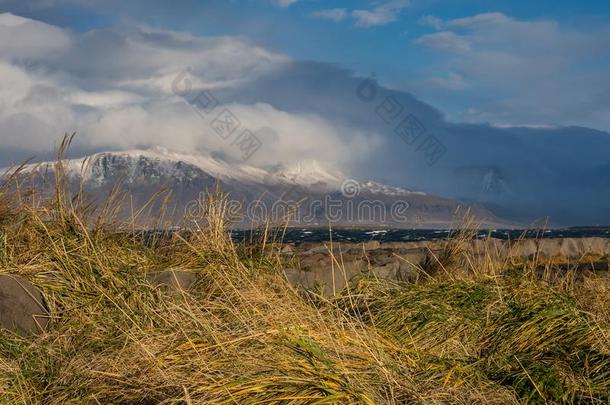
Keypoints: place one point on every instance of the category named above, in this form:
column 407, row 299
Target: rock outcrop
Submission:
column 22, row 306
column 328, row 270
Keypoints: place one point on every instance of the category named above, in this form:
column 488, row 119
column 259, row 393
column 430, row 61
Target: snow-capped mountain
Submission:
column 308, row 173
column 314, row 185
column 151, row 165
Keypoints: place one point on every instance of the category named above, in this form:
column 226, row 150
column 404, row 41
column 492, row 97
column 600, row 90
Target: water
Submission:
column 297, row 236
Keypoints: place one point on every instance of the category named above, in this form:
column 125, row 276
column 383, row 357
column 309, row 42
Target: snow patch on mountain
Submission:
column 378, row 188
column 309, row 173
column 133, row 166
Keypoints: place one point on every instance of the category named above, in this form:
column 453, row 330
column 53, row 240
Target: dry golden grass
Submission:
column 466, row 333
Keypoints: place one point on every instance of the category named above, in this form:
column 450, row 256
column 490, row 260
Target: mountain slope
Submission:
column 308, row 193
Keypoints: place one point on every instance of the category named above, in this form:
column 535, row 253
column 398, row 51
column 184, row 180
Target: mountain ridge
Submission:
column 322, row 192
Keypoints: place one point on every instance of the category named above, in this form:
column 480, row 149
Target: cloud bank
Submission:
column 114, row 87
column 522, row 72
column 381, row 13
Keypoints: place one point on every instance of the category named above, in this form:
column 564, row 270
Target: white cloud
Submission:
column 104, row 99
column 445, row 41
column 453, row 81
column 527, row 71
column 382, row 14
column 284, row 3
column 480, row 21
column 23, row 39
column 431, row 21
column 334, row 14
column 114, row 87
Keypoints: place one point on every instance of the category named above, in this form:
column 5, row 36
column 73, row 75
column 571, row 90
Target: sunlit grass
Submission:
column 466, row 332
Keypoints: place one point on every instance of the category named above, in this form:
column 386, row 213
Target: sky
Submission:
column 504, row 62
column 511, row 98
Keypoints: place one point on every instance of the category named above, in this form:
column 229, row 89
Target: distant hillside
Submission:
column 315, row 195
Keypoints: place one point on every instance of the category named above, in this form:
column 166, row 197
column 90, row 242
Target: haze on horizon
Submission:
column 515, row 95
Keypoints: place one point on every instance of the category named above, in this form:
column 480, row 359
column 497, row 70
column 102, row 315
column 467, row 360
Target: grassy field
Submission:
column 486, row 333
